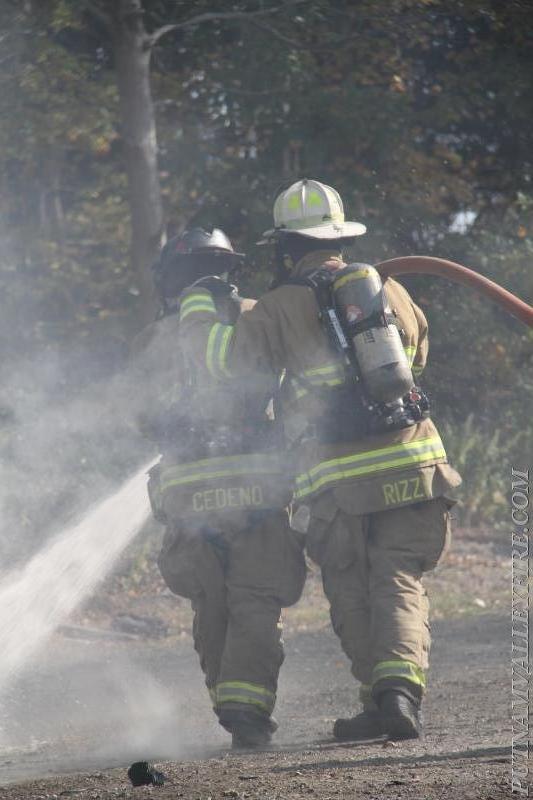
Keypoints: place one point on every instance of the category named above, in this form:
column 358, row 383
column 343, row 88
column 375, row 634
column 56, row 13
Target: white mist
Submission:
column 37, row 598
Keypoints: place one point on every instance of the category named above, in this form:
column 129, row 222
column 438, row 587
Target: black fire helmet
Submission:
column 192, row 255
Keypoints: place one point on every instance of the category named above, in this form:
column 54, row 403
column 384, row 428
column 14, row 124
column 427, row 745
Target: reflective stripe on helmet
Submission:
column 404, row 454
column 399, row 669
column 249, row 693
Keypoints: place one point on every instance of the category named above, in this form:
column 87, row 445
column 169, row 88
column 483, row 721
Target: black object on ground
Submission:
column 141, row 773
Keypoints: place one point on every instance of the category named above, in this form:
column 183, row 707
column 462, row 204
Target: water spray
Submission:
column 37, row 598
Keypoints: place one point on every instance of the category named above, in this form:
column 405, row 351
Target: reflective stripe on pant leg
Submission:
column 246, row 693
column 399, row 669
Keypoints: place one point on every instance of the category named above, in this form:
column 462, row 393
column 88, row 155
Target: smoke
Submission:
column 59, row 451
column 69, row 446
column 87, row 706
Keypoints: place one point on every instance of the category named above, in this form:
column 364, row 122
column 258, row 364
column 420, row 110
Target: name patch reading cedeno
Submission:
column 231, row 497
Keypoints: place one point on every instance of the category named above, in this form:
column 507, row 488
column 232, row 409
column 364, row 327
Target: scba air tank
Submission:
column 364, row 314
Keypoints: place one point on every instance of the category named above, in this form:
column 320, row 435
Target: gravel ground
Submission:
column 88, row 708
column 102, row 695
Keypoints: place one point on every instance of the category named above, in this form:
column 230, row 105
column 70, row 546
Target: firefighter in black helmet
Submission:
column 220, row 491
column 190, row 257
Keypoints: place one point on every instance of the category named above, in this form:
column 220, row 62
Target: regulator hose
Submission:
column 428, row 265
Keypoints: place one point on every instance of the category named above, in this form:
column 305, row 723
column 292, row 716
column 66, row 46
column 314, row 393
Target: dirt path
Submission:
column 90, row 707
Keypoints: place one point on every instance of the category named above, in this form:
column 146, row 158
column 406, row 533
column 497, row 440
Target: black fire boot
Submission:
column 400, row 715
column 249, row 729
column 366, row 725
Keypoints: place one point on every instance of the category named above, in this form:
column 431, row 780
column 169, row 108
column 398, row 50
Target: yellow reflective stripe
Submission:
column 249, row 693
column 217, row 349
column 410, row 352
column 193, row 309
column 370, row 462
column 417, row 370
column 223, row 354
column 206, row 476
column 210, row 348
column 318, row 376
column 325, row 370
column 196, row 296
column 243, row 458
column 328, row 382
column 353, row 276
column 326, row 375
column 368, row 455
column 352, row 473
column 222, row 467
column 255, row 688
column 399, row 669
column 239, row 698
column 199, row 301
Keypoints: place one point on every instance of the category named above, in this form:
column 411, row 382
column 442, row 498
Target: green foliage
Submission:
column 484, row 456
column 415, row 110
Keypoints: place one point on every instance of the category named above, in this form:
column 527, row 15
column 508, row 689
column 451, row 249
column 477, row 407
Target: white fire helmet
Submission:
column 312, row 209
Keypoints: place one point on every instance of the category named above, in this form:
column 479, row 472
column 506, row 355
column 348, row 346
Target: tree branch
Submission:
column 102, row 16
column 330, row 48
column 277, row 34
column 211, row 16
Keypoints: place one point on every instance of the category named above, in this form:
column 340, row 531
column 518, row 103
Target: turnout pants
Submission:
column 372, row 567
column 238, row 578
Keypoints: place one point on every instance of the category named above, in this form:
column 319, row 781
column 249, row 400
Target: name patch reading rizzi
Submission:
column 404, row 491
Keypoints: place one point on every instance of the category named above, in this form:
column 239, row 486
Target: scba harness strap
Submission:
column 350, row 412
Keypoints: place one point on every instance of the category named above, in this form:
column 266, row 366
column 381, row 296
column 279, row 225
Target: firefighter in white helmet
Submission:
column 371, row 473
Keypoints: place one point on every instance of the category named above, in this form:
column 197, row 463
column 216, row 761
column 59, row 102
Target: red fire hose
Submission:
column 427, row 265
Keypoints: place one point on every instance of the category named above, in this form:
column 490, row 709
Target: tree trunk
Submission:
column 132, row 63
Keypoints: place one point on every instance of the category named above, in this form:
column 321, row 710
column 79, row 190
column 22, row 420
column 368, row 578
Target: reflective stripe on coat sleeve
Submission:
column 220, row 467
column 217, row 350
column 195, row 302
column 410, row 352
